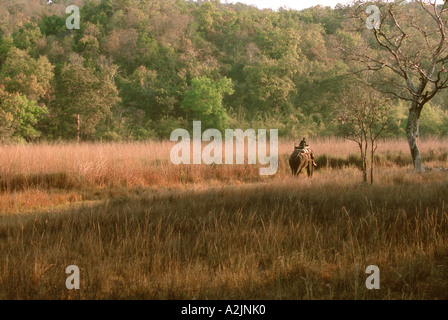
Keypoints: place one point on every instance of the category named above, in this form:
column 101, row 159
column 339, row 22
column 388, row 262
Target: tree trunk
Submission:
column 364, row 160
column 366, row 145
column 364, row 169
column 372, row 159
column 77, row 131
column 412, row 133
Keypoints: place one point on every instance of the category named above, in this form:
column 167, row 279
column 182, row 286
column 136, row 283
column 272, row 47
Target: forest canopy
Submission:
column 137, row 70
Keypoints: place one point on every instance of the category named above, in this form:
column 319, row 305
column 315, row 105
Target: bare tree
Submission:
column 382, row 118
column 406, row 51
column 365, row 115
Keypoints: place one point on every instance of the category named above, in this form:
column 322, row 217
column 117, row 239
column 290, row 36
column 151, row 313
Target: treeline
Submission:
column 139, row 69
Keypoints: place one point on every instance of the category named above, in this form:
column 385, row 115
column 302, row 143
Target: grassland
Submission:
column 139, row 227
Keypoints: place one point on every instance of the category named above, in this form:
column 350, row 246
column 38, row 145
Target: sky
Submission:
column 291, row 4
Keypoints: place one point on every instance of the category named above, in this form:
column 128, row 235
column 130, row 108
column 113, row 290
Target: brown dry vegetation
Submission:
column 141, row 228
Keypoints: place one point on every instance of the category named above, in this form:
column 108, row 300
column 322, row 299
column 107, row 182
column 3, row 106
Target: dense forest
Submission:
column 137, row 70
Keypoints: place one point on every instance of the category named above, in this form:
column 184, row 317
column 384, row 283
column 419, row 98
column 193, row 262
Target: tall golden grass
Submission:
column 148, row 163
column 139, row 227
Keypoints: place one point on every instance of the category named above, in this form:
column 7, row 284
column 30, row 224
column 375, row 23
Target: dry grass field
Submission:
column 140, row 227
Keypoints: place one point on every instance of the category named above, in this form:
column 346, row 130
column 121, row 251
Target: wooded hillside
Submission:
column 139, row 69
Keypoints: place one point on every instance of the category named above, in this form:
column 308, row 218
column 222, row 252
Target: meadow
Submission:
column 140, row 227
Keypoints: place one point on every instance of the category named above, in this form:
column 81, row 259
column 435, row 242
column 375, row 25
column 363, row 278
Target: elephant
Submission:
column 300, row 159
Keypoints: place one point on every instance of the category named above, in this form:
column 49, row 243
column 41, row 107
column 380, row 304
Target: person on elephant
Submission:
column 306, row 147
column 303, row 144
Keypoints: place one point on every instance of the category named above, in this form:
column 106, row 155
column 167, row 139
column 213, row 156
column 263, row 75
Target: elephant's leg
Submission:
column 297, row 168
column 311, row 169
column 308, row 166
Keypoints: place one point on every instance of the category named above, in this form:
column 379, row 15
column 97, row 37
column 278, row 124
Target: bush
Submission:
column 111, row 136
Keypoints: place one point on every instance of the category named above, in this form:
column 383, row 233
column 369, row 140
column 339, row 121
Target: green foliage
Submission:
column 18, row 117
column 111, row 136
column 83, row 93
column 139, row 69
column 433, row 120
column 52, row 25
column 26, row 38
column 25, row 75
column 204, row 101
column 6, row 43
